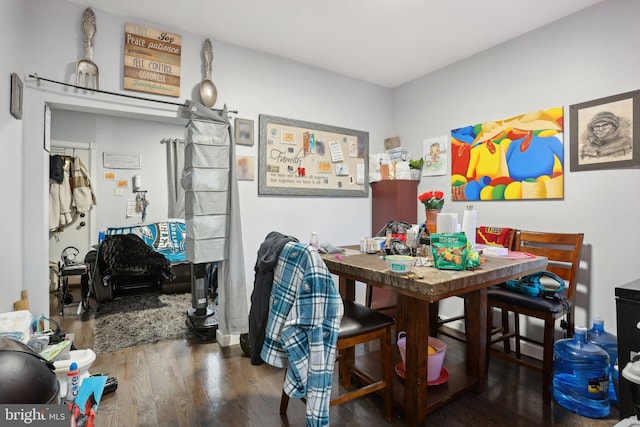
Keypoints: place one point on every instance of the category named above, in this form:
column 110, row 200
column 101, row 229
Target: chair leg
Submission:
column 570, row 323
column 547, row 358
column 489, row 328
column 516, row 330
column 344, row 366
column 505, row 330
column 387, row 374
column 284, row 403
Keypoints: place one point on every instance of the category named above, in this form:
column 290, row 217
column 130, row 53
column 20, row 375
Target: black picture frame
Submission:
column 605, row 133
column 300, row 158
column 15, row 107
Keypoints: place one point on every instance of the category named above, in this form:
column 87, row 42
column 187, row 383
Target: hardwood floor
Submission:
column 193, row 383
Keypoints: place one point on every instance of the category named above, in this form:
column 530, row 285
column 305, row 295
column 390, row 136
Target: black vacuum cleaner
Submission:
column 202, row 318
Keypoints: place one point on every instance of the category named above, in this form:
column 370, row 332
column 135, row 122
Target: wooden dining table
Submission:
column 416, row 290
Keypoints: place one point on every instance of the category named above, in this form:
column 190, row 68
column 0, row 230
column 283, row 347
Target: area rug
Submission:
column 134, row 320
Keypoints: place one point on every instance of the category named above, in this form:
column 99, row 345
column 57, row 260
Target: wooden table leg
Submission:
column 415, row 384
column 347, row 288
column 476, row 331
column 401, row 309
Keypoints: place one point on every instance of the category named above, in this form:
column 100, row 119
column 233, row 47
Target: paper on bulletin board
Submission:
column 336, row 151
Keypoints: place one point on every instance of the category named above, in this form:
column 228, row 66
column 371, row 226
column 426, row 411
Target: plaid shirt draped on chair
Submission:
column 302, row 329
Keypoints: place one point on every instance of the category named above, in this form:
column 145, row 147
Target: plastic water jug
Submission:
column 580, row 378
column 609, row 343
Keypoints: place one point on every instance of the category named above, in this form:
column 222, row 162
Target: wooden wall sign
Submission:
column 152, row 60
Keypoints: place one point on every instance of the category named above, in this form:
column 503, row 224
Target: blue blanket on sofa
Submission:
column 167, row 237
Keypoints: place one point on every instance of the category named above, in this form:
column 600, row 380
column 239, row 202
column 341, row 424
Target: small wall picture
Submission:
column 244, row 132
column 434, row 153
column 245, row 168
column 604, row 133
column 16, row 96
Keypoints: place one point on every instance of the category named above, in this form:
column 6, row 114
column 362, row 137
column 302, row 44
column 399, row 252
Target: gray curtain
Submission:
column 175, row 166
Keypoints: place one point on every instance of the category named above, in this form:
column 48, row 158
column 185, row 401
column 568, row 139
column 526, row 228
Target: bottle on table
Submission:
column 313, row 240
column 580, row 378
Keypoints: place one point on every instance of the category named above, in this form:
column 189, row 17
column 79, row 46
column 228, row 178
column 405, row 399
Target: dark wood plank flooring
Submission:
column 195, row 383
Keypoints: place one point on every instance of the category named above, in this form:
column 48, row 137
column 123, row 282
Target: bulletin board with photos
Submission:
column 299, row 158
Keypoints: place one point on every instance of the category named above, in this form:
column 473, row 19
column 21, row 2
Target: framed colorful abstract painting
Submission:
column 518, row 158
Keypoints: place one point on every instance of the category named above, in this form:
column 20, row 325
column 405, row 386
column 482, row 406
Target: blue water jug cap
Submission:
column 73, row 366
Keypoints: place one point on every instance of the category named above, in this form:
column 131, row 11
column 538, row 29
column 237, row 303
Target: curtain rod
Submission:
column 38, row 78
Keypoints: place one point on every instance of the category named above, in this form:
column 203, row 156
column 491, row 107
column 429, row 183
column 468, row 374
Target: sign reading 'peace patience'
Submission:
column 152, row 60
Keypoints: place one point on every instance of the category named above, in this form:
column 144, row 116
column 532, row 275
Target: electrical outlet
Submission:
column 118, row 191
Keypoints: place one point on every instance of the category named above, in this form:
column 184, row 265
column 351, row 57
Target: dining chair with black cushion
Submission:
column 304, row 296
column 360, row 325
column 485, row 235
column 563, row 252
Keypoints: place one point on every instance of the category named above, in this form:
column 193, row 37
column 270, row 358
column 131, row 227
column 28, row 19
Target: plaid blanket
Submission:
column 166, row 238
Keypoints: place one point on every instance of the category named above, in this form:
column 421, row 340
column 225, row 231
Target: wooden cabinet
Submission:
column 393, row 200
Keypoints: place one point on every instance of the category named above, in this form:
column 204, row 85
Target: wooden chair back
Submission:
column 562, row 249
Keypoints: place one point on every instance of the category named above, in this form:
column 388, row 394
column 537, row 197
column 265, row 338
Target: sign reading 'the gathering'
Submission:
column 152, row 60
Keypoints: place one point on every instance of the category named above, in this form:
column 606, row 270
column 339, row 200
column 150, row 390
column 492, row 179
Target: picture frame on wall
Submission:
column 244, row 131
column 16, row 96
column 245, row 168
column 605, row 133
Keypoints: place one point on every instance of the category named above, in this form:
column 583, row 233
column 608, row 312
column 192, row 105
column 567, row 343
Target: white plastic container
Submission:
column 399, row 264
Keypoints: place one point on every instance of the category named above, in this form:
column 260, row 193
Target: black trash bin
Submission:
column 27, row 378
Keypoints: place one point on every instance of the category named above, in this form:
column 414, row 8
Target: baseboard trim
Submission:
column 227, row 340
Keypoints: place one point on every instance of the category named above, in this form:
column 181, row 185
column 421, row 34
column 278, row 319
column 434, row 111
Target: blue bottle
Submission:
column 609, row 343
column 73, row 382
column 580, row 378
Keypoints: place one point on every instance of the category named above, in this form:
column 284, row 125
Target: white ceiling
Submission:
column 385, row 42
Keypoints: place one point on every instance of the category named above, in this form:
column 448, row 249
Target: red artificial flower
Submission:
column 432, row 199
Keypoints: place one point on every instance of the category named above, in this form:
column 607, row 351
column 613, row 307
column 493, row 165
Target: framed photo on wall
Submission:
column 244, row 131
column 605, row 133
column 245, row 168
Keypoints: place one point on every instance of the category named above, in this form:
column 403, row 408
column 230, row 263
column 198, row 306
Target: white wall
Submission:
column 14, row 59
column 251, row 82
column 589, row 55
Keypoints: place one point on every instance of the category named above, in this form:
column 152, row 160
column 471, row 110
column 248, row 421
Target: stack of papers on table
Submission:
column 492, row 250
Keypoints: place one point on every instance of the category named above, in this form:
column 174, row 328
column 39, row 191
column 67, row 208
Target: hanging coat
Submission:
column 83, row 194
